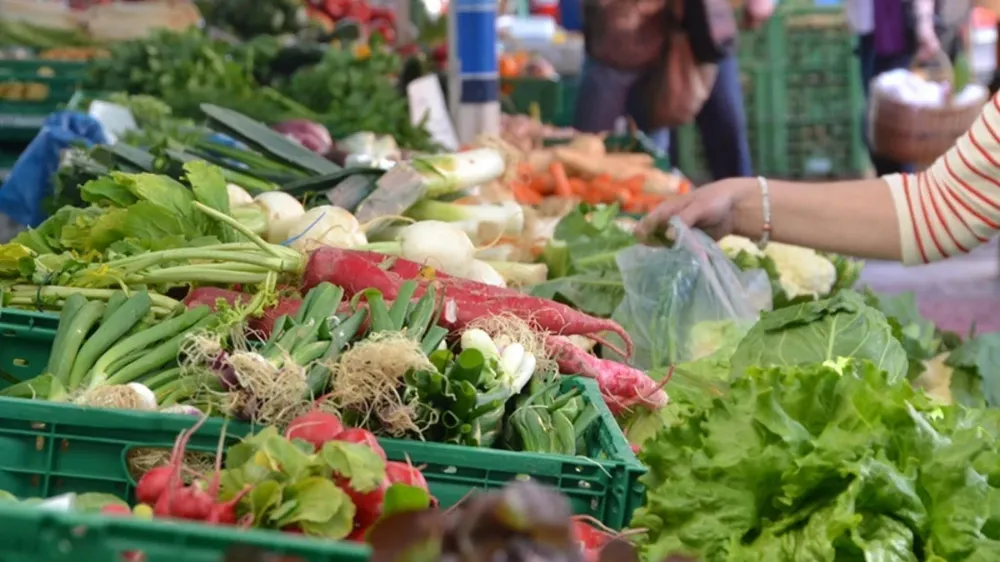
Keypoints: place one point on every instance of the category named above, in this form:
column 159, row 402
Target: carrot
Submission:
column 578, row 186
column 559, row 180
column 635, row 184
column 541, row 184
column 525, row 195
column 464, row 301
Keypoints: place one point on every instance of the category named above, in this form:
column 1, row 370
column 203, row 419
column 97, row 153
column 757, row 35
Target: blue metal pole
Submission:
column 475, row 47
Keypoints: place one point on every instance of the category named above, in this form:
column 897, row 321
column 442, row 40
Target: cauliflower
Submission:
column 802, row 271
column 732, row 245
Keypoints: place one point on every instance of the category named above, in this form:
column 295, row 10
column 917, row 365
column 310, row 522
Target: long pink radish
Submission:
column 622, row 386
column 464, row 301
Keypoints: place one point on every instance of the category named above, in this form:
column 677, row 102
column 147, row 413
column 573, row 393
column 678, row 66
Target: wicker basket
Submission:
column 919, row 135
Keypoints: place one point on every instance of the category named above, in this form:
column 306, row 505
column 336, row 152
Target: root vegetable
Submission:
column 143, row 391
column 465, row 301
column 238, row 197
column 116, row 509
column 362, row 437
column 368, row 505
column 162, row 485
column 325, row 225
column 484, row 273
column 316, row 428
column 437, row 244
column 280, row 209
column 262, row 326
column 225, row 513
column 592, row 145
column 479, row 340
column 622, row 386
column 406, row 474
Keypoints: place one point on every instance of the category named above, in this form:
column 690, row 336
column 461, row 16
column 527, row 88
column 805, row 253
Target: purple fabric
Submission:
column 890, row 27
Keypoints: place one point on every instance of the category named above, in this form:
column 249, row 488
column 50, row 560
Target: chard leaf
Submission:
column 147, row 221
column 209, row 187
column 107, row 191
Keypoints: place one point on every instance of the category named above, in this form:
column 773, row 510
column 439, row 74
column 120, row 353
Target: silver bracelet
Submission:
column 765, row 195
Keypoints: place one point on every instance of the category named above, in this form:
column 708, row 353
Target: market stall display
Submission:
column 260, row 302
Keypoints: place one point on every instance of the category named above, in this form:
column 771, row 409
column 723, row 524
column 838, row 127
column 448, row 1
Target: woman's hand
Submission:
column 710, row 208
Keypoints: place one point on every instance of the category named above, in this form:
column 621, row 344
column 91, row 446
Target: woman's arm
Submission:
column 947, row 209
column 856, row 218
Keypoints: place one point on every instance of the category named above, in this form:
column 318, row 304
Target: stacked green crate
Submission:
column 756, row 82
column 821, row 98
column 803, row 100
column 32, row 89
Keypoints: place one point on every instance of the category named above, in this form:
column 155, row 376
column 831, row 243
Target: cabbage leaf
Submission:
column 814, row 332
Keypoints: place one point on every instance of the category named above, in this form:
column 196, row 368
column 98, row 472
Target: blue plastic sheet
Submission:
column 30, row 180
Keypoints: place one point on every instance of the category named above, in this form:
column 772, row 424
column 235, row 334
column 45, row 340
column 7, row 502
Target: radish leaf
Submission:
column 358, row 463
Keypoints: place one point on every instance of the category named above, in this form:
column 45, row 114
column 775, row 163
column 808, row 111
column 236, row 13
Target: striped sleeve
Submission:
column 954, row 205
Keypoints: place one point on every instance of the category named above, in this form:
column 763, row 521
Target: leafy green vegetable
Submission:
column 400, row 498
column 461, row 401
column 823, row 462
column 291, row 483
column 818, row 331
column 976, row 371
column 581, row 261
column 921, row 338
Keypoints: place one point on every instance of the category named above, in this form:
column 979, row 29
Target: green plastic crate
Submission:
column 50, row 448
column 519, row 94
column 32, row 89
column 30, row 534
column 803, row 99
column 25, row 342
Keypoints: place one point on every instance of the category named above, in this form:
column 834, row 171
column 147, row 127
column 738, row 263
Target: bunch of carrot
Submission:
column 532, row 186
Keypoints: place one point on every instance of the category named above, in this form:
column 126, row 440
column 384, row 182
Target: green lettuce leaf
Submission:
column 822, row 462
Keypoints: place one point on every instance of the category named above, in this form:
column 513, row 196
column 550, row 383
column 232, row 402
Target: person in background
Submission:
column 945, row 210
column 623, row 40
column 890, row 33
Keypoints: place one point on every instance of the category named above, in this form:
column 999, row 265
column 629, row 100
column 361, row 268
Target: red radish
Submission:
column 308, row 133
column 358, row 534
column 405, row 473
column 293, row 530
column 225, row 513
column 152, row 484
column 368, row 506
column 590, row 536
column 464, row 301
column 192, row 503
column 166, row 496
column 622, row 386
column 315, row 428
column 262, row 326
column 116, row 509
column 362, row 437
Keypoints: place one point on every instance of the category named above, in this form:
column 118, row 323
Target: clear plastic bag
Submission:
column 670, row 291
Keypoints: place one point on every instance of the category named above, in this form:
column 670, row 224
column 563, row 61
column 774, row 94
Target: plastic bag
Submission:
column 30, row 180
column 669, row 292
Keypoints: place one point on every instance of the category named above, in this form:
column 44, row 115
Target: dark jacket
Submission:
column 625, row 34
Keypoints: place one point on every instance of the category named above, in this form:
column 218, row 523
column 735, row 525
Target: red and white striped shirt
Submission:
column 954, row 205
